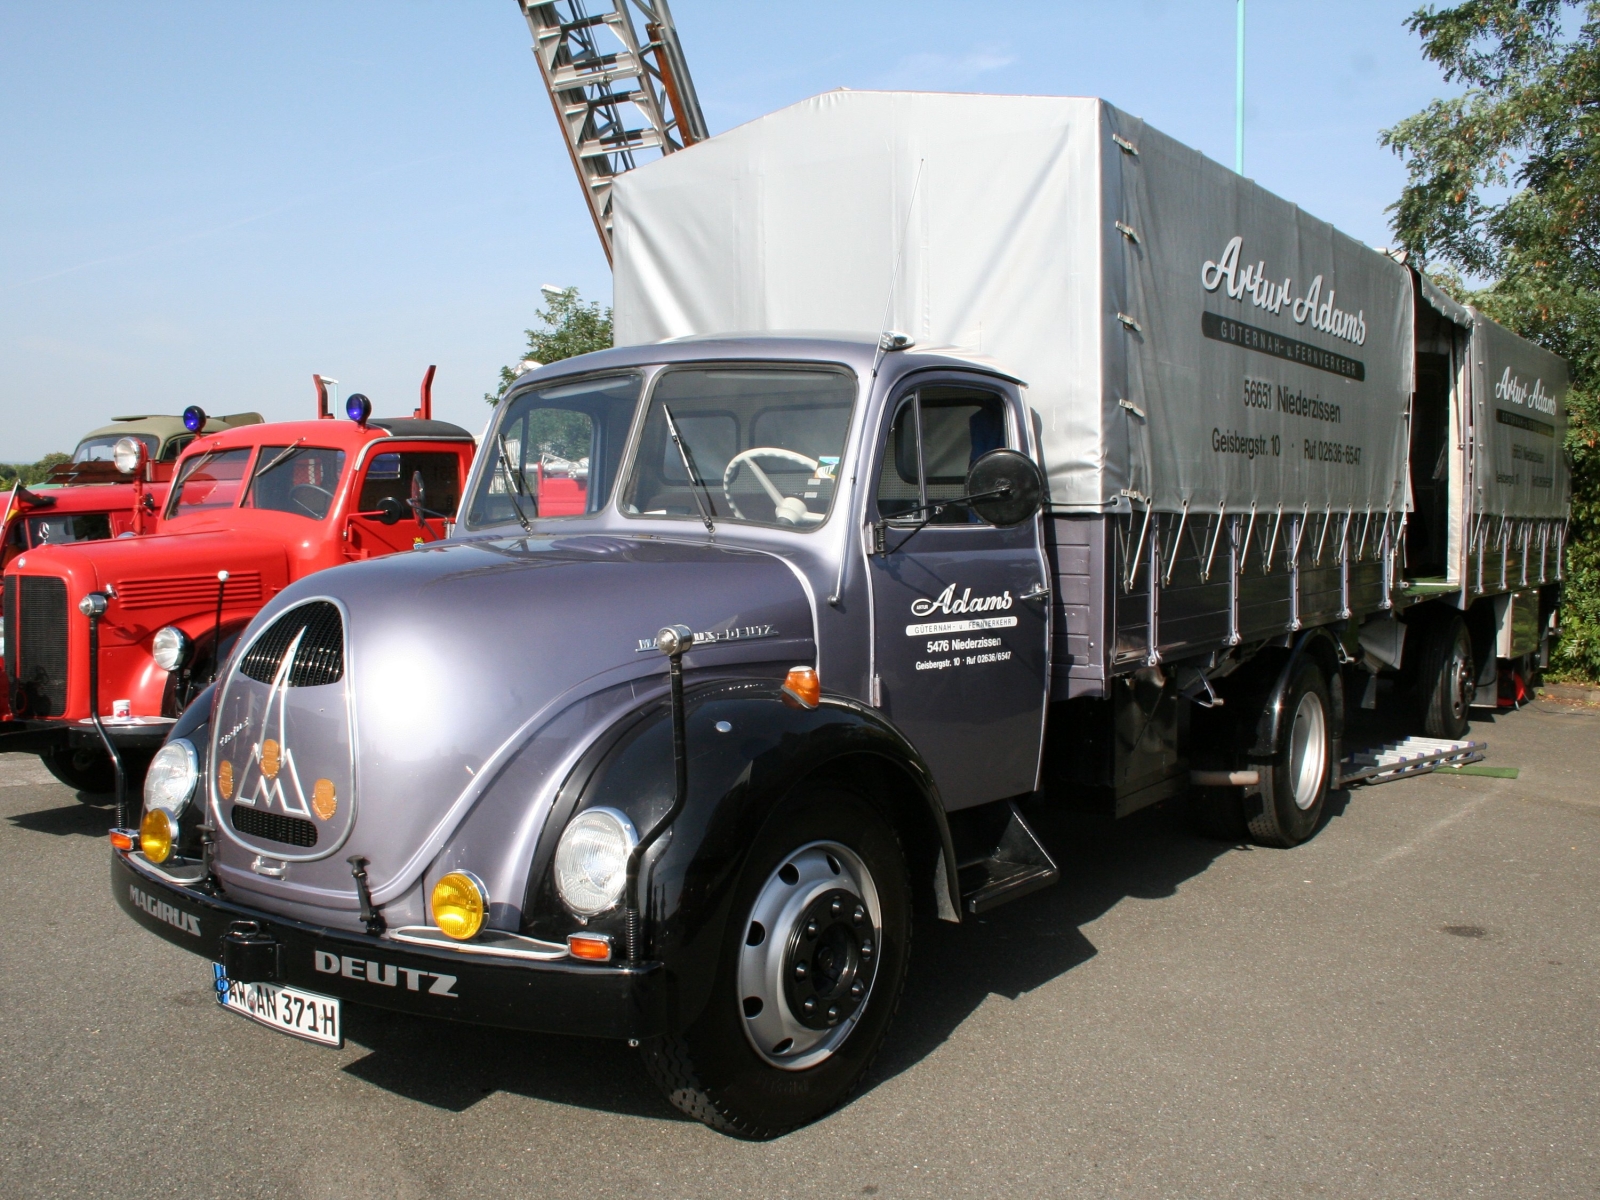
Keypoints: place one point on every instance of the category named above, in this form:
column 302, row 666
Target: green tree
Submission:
column 570, row 327
column 1504, row 185
column 29, row 473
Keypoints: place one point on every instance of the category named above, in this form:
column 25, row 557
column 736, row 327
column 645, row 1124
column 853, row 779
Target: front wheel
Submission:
column 87, row 772
column 811, row 972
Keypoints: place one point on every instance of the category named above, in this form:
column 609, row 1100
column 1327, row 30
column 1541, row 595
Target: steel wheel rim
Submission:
column 1462, row 671
column 1308, row 750
column 813, row 875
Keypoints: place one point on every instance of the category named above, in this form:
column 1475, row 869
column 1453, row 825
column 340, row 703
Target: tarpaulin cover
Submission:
column 1519, row 396
column 1186, row 336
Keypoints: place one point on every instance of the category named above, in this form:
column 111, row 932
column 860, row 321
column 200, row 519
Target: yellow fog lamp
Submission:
column 156, row 835
column 460, row 903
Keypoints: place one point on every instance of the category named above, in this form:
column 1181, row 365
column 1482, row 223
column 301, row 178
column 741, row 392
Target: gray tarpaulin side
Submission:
column 1270, row 354
column 1519, row 395
column 1003, row 214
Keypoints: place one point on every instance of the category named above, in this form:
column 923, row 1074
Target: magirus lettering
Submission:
column 162, row 911
column 948, row 602
column 1251, row 280
column 384, row 974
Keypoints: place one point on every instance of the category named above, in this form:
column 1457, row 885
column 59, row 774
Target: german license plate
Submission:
column 288, row 1010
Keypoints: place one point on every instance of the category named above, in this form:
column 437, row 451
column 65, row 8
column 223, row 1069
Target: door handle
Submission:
column 1037, row 592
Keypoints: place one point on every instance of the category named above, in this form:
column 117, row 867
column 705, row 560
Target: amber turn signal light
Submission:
column 596, row 947
column 121, row 839
column 803, row 686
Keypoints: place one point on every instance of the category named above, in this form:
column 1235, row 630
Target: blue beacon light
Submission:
column 194, row 418
column 358, row 408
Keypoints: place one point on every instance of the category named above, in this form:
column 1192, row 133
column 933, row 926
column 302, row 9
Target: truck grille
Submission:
column 273, row 827
column 320, row 657
column 36, row 644
column 189, row 591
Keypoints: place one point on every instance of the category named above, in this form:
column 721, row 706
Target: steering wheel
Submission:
column 319, row 500
column 789, row 510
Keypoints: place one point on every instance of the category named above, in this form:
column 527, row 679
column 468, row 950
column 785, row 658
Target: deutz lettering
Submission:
column 384, row 974
column 162, row 911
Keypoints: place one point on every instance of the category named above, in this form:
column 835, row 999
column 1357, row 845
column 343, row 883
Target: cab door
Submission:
column 387, row 475
column 961, row 610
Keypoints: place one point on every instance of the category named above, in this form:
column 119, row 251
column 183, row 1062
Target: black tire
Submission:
column 88, row 772
column 1294, row 783
column 1446, row 678
column 712, row 1071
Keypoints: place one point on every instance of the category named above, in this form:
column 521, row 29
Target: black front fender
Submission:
column 748, row 750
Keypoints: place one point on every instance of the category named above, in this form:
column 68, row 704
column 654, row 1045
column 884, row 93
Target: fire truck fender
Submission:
column 751, row 752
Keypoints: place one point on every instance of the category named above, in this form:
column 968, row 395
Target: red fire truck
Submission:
column 106, row 642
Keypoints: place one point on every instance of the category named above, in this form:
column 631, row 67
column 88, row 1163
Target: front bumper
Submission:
column 547, row 997
column 42, row 736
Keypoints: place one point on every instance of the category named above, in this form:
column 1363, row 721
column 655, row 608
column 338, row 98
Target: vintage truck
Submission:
column 251, row 509
column 1116, row 509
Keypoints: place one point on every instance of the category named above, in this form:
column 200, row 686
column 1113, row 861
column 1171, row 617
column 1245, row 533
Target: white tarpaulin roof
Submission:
column 1070, row 243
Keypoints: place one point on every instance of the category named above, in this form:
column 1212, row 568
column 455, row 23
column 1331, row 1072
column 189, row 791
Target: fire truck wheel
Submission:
column 87, row 772
column 810, row 975
column 1294, row 784
column 1445, row 678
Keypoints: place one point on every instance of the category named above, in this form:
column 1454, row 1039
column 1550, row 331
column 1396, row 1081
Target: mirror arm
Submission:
column 881, row 525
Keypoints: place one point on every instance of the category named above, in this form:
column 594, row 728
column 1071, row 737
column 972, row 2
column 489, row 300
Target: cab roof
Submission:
column 164, row 426
column 334, row 433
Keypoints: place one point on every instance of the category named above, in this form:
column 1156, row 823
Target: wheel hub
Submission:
column 810, row 955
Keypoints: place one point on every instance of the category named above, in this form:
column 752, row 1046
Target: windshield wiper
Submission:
column 514, row 483
column 694, row 475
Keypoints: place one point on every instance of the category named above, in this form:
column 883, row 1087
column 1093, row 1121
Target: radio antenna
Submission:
column 894, row 277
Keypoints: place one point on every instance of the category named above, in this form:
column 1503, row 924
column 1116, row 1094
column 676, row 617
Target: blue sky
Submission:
column 206, row 202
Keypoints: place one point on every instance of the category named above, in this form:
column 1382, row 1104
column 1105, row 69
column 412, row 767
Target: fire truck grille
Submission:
column 36, row 644
column 273, row 827
column 320, row 657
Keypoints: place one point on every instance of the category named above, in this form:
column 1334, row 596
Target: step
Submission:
column 1412, row 756
column 1008, row 866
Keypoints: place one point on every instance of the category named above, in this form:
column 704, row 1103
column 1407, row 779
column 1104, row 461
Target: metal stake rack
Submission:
column 601, row 75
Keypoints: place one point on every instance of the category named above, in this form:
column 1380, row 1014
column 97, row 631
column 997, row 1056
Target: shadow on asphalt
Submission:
column 85, row 819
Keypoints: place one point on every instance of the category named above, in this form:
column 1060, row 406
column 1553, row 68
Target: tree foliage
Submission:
column 29, row 473
column 570, row 327
column 1504, row 184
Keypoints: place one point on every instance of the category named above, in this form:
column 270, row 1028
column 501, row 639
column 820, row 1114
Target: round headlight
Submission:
column 170, row 647
column 171, row 779
column 592, row 860
column 155, row 835
column 460, row 903
column 126, row 454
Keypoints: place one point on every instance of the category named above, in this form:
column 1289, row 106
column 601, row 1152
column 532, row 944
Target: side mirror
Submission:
column 392, row 510
column 1006, row 487
column 419, row 496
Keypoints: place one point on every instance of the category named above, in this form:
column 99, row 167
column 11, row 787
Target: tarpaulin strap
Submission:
column 1127, row 146
column 1222, row 512
column 1561, row 545
column 1130, row 322
column 1249, row 529
column 1300, row 533
column 1132, row 407
column 1177, row 539
column 1327, row 519
column 1127, row 231
column 1272, row 545
column 1361, row 546
column 1544, row 546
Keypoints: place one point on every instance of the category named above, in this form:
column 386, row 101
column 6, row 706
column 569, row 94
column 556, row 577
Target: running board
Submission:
column 1414, row 756
column 1014, row 865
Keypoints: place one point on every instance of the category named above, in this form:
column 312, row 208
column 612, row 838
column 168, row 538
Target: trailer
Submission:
column 1101, row 491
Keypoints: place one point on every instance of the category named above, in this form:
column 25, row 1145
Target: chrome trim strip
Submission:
column 494, row 942
column 193, row 871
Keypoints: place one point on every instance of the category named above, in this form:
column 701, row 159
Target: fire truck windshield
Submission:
column 301, row 480
column 209, row 481
column 99, row 449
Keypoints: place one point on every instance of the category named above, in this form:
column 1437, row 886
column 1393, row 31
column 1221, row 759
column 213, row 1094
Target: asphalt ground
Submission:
column 1408, row 1005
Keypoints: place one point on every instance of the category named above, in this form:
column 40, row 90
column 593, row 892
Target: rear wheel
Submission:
column 812, row 967
column 1294, row 784
column 1446, row 678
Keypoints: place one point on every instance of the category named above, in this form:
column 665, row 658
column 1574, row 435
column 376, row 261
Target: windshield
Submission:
column 760, row 446
column 98, row 449
column 296, row 479
column 61, row 529
column 563, row 446
column 209, row 481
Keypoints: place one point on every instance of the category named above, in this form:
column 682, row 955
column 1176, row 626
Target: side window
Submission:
column 936, row 436
column 302, row 480
column 389, row 476
column 175, row 447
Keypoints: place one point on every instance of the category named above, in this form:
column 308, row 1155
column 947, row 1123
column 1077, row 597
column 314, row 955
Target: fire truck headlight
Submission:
column 156, row 835
column 171, row 648
column 170, row 782
column 592, row 860
column 126, row 455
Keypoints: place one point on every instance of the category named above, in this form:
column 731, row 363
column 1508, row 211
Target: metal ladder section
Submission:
column 600, row 75
column 1413, row 756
